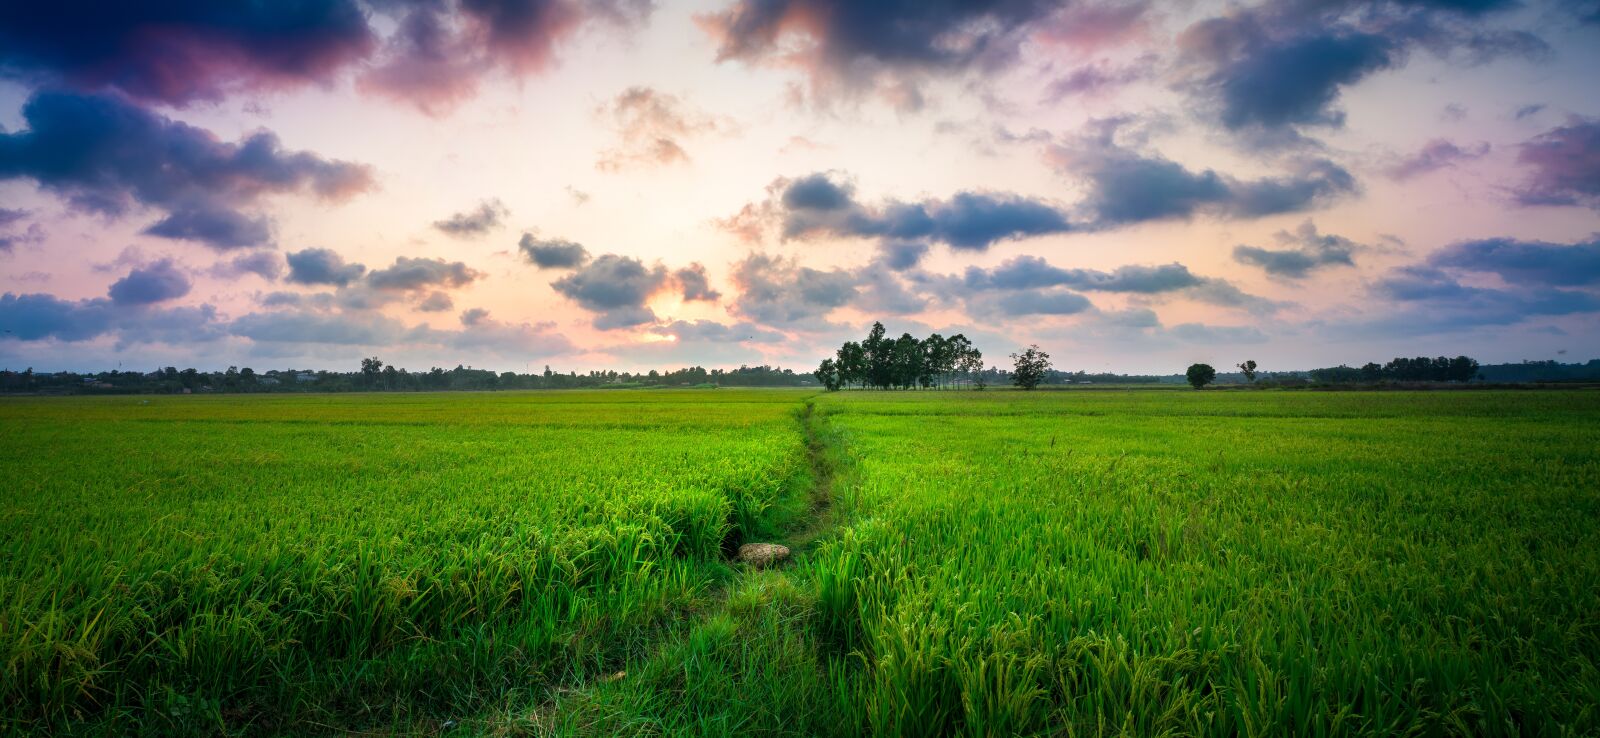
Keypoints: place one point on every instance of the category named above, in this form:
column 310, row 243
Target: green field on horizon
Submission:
column 1116, row 562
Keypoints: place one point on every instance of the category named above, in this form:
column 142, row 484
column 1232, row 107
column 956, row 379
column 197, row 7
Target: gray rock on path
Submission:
column 762, row 555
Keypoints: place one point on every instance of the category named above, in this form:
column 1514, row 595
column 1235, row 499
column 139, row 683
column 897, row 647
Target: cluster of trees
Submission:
column 880, row 362
column 376, row 376
column 1419, row 369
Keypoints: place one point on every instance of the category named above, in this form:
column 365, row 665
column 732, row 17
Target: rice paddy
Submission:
column 967, row 563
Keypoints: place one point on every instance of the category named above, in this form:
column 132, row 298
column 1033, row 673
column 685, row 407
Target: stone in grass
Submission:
column 762, row 555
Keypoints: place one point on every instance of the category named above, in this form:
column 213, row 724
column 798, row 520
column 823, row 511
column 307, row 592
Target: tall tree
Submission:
column 370, row 370
column 1031, row 366
column 1248, row 369
column 1200, row 375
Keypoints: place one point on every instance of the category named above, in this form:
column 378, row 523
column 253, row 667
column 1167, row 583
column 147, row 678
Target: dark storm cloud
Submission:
column 1564, row 166
column 825, row 205
column 154, row 283
column 485, row 218
column 615, row 288
column 1529, row 264
column 38, row 317
column 777, row 291
column 105, row 155
column 692, row 280
column 266, row 264
column 408, row 273
column 1269, row 70
column 177, row 51
column 1127, row 186
column 553, row 253
column 322, row 266
column 1309, row 251
column 1433, row 156
column 1260, row 81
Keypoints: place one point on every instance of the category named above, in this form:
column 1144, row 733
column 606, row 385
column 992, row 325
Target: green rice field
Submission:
column 1055, row 563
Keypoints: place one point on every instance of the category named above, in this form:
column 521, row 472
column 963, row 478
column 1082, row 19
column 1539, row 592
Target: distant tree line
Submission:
column 376, row 376
column 1419, row 369
column 880, row 362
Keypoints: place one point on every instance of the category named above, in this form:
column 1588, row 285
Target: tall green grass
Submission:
column 1220, row 564
column 977, row 564
column 198, row 565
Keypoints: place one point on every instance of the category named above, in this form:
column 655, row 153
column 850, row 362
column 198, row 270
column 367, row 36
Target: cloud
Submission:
column 844, row 46
column 218, row 227
column 902, row 255
column 481, row 332
column 1127, row 187
column 265, row 264
column 158, row 282
column 1530, row 264
column 322, row 266
column 777, row 291
column 426, row 64
column 364, row 329
column 1043, row 302
column 408, row 273
column 39, row 317
column 692, row 279
column 1257, row 80
column 436, row 302
column 1041, row 280
column 651, row 126
column 1433, row 156
column 1267, row 71
column 1099, row 78
column 179, row 51
column 105, row 155
column 553, row 253
column 9, row 241
column 1311, row 251
column 824, row 204
column 710, row 331
column 1431, row 301
column 615, row 288
column 485, row 218
column 1565, row 166
column 1527, row 111
column 439, row 54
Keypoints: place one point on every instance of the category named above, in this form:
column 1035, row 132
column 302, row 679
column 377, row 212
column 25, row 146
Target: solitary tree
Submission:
column 1248, row 369
column 1200, row 375
column 1032, row 364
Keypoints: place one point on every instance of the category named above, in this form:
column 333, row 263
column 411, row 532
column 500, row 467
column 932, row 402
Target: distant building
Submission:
column 305, row 377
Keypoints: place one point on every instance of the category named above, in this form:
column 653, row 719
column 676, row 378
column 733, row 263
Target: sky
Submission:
column 627, row 184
